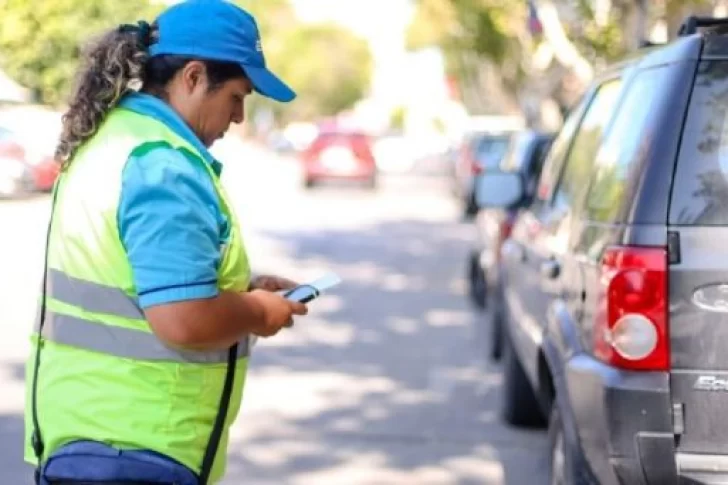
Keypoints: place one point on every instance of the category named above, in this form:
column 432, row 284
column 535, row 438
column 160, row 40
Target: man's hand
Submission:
column 272, row 283
column 278, row 312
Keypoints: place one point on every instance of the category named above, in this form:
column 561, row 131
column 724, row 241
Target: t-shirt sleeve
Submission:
column 169, row 224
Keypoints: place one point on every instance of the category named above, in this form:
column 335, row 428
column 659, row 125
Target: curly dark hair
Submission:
column 111, row 66
column 115, row 64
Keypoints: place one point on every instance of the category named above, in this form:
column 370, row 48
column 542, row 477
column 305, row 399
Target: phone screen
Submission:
column 302, row 293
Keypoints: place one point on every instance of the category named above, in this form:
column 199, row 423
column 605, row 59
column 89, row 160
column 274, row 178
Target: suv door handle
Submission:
column 550, row 270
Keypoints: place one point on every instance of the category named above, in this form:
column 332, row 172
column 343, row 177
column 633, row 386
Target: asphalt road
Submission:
column 385, row 382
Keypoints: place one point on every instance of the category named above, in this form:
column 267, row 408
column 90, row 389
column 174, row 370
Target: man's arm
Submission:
column 169, row 223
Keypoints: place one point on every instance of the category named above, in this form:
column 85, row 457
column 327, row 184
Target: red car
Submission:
column 22, row 167
column 339, row 155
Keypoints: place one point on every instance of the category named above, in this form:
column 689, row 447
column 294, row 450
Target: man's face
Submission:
column 221, row 107
column 209, row 112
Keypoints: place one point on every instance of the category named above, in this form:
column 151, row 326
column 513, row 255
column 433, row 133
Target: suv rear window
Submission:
column 700, row 189
column 490, row 150
column 618, row 161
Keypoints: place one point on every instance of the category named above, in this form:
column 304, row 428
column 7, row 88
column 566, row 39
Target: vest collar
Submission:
column 148, row 105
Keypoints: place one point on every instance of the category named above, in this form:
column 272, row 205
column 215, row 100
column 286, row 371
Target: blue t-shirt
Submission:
column 169, row 216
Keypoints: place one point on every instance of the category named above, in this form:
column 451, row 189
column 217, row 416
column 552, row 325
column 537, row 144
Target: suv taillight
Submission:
column 473, row 164
column 630, row 328
column 506, row 228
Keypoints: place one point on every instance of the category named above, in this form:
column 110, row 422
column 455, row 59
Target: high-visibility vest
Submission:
column 104, row 375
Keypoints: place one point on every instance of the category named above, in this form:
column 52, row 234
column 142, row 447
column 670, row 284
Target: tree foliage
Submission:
column 327, row 66
column 484, row 28
column 41, row 41
column 573, row 37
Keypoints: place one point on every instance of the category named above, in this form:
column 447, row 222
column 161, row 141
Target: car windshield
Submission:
column 489, row 150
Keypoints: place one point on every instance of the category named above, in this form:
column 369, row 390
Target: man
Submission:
column 148, row 303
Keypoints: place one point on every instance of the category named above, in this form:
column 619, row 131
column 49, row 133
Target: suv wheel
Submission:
column 471, row 207
column 477, row 281
column 494, row 321
column 520, row 406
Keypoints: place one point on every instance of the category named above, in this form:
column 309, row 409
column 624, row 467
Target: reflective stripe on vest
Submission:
column 92, row 297
column 125, row 342
column 109, row 339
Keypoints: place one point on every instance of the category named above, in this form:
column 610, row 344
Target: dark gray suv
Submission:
column 615, row 279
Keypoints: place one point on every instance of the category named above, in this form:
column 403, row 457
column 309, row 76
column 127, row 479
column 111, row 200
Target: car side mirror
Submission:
column 499, row 190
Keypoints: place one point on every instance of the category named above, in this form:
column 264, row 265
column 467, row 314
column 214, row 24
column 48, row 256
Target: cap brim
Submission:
column 268, row 84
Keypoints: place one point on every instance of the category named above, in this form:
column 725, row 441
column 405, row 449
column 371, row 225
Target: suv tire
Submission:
column 470, row 209
column 520, row 405
column 494, row 320
column 477, row 281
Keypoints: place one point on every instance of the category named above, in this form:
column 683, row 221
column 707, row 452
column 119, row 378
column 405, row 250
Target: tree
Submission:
column 397, row 118
column 480, row 39
column 327, row 66
column 41, row 41
column 537, row 50
column 272, row 16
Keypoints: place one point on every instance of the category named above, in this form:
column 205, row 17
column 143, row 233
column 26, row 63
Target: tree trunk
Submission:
column 565, row 51
column 639, row 16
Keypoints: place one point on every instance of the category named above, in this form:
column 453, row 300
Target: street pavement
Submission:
column 384, row 382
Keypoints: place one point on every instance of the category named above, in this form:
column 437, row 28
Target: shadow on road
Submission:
column 384, row 383
column 387, row 374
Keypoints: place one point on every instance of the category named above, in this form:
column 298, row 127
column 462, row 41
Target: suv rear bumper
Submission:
column 628, row 414
column 703, row 469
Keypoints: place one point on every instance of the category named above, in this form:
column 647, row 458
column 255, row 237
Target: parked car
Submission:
column 615, row 278
column 339, row 155
column 493, row 226
column 479, row 152
column 23, row 167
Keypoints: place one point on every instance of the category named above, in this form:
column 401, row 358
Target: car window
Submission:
column 358, row 144
column 517, row 153
column 700, row 190
column 539, row 148
column 490, row 150
column 581, row 158
column 537, row 156
column 619, row 151
column 556, row 154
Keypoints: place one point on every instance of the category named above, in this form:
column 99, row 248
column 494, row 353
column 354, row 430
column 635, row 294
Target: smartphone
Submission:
column 302, row 293
column 310, row 291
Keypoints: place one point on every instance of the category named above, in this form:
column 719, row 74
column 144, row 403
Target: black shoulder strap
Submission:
column 219, row 426
column 36, row 437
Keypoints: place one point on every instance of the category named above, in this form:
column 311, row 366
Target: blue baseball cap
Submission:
column 218, row 30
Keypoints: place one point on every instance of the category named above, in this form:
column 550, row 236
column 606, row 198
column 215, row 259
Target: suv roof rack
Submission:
column 692, row 23
column 646, row 43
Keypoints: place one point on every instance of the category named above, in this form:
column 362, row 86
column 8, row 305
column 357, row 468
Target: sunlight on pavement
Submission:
column 382, row 383
column 314, row 392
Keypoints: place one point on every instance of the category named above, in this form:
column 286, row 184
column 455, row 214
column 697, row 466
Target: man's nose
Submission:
column 238, row 115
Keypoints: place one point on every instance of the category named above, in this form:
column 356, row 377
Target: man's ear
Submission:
column 194, row 74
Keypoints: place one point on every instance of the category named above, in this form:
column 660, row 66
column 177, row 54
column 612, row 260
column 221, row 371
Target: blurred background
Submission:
column 368, row 174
